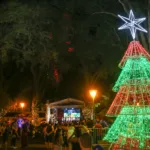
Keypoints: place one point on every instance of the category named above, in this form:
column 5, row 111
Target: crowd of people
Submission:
column 10, row 133
column 67, row 136
column 58, row 136
column 73, row 135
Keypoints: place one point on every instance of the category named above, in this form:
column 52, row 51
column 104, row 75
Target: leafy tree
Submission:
column 27, row 41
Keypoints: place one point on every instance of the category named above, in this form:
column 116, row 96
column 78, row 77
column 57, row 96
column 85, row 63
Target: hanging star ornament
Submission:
column 132, row 24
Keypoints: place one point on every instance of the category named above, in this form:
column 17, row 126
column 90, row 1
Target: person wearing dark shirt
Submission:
column 65, row 139
column 49, row 136
column 24, row 136
column 74, row 139
column 5, row 136
column 85, row 141
column 14, row 138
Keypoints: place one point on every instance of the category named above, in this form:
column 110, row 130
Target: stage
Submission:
column 64, row 110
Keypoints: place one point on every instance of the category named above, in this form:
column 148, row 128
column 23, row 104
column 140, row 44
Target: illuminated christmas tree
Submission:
column 131, row 129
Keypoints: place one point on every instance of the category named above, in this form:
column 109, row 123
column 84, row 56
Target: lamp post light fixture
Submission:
column 93, row 95
column 22, row 105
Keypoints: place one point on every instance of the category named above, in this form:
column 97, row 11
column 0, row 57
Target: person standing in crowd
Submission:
column 74, row 138
column 58, row 139
column 24, row 136
column 5, row 136
column 49, row 136
column 103, row 123
column 14, row 138
column 65, row 137
column 44, row 134
column 33, row 133
column 2, row 129
column 85, row 141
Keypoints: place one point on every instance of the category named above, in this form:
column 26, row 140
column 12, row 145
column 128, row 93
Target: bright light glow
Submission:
column 93, row 93
column 22, row 105
column 132, row 24
column 48, row 115
column 130, row 131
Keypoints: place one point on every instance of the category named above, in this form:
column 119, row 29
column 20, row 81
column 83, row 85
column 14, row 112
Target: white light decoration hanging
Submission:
column 132, row 24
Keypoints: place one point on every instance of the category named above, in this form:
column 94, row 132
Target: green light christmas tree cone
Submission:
column 136, row 72
column 133, row 85
column 130, row 131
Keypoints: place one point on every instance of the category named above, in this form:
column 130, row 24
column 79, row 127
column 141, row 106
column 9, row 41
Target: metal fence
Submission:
column 97, row 134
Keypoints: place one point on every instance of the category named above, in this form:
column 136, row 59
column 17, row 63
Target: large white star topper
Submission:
column 132, row 24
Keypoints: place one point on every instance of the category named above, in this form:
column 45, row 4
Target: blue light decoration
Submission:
column 20, row 122
column 132, row 24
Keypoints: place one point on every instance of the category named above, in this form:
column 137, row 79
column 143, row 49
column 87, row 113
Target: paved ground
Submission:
column 30, row 147
column 38, row 144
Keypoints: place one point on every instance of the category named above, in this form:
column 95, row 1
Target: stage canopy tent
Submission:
column 66, row 103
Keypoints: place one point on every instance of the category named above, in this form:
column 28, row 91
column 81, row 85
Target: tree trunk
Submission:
column 35, row 110
column 35, row 99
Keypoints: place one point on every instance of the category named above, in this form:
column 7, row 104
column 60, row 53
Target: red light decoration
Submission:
column 70, row 49
column 130, row 95
column 130, row 144
column 56, row 75
column 51, row 36
column 134, row 50
column 66, row 15
column 68, row 42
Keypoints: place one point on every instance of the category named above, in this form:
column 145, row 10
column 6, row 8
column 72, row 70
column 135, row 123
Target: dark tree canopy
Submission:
column 78, row 38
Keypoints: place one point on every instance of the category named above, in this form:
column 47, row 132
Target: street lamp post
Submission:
column 93, row 95
column 22, row 105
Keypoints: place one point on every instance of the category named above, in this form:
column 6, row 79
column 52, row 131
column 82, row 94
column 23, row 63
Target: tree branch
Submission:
column 107, row 13
column 123, row 5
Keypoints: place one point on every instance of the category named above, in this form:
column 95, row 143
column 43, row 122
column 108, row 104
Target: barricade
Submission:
column 97, row 134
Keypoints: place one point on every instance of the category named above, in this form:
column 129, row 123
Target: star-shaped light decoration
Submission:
column 132, row 24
